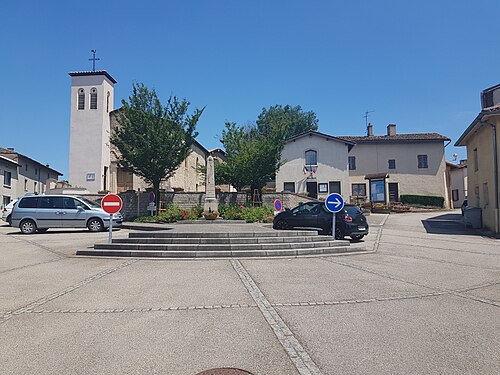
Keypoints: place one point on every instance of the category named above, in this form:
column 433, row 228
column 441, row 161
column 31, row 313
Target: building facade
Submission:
column 92, row 97
column 457, row 183
column 382, row 168
column 315, row 164
column 22, row 175
column 482, row 139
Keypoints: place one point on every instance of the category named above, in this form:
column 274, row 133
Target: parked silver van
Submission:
column 34, row 213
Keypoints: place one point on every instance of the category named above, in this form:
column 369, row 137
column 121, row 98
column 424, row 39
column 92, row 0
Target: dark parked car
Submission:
column 349, row 222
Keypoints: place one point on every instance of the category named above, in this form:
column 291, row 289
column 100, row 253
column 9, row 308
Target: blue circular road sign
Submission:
column 334, row 203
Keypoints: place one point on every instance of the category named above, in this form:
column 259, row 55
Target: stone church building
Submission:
column 93, row 161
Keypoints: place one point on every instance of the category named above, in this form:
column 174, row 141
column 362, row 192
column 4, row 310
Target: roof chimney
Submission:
column 391, row 129
column 369, row 129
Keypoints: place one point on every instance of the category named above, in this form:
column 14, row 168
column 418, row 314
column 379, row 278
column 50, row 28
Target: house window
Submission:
column 454, row 195
column 478, row 198
column 359, row 190
column 323, row 187
column 81, row 99
column 7, row 178
column 289, row 186
column 392, row 163
column 422, row 161
column 26, row 167
column 25, row 184
column 476, row 160
column 107, row 101
column 34, row 187
column 36, row 171
column 311, row 157
column 93, row 98
column 334, row 187
column 352, row 163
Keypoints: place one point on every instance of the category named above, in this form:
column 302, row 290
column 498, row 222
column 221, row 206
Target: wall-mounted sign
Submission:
column 90, row 176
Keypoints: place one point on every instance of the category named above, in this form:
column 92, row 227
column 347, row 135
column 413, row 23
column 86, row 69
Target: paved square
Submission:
column 426, row 301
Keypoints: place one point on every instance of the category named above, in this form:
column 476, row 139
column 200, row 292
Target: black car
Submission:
column 349, row 222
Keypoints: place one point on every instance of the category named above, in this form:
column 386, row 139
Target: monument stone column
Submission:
column 211, row 203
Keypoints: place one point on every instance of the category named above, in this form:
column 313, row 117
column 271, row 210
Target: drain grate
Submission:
column 224, row 371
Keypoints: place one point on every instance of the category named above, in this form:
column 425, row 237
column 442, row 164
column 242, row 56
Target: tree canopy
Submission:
column 154, row 139
column 253, row 152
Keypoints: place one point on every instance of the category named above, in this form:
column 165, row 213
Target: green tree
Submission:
column 253, row 153
column 154, row 139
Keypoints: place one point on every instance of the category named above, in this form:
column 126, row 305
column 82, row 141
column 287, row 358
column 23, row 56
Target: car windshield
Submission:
column 89, row 203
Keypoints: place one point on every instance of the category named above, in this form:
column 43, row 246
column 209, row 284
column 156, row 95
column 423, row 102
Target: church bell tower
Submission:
column 92, row 95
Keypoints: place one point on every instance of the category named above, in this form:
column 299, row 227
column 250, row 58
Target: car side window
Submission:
column 304, row 208
column 30, row 202
column 70, row 203
column 50, row 202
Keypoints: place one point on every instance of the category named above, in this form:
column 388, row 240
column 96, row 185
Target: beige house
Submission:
column 383, row 167
column 22, row 175
column 481, row 139
column 186, row 177
column 315, row 164
column 457, row 183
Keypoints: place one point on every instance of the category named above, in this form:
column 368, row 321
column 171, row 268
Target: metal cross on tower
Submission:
column 93, row 59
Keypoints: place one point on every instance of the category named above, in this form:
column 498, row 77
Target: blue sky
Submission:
column 419, row 64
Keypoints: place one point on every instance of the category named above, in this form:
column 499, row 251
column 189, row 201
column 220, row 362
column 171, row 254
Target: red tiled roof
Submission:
column 418, row 137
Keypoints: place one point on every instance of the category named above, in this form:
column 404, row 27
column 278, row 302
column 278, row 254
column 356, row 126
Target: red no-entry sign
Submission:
column 111, row 203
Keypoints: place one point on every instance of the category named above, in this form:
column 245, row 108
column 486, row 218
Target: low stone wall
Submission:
column 135, row 203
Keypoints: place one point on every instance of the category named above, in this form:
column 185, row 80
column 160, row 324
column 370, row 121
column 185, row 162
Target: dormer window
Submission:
column 93, row 98
column 81, row 99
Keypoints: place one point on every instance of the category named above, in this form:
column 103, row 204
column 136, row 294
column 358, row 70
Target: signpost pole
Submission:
column 110, row 238
column 333, row 225
column 334, row 203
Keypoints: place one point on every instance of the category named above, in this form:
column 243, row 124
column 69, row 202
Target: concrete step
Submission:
column 267, row 233
column 235, row 240
column 217, row 247
column 221, row 253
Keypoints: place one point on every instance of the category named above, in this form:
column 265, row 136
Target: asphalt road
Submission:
column 426, row 300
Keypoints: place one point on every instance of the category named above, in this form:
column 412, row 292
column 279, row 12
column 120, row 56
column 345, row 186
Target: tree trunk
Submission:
column 156, row 189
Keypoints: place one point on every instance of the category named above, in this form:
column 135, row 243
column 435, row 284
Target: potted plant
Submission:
column 210, row 215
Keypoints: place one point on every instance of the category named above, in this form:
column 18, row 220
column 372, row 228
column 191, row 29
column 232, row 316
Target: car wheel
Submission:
column 42, row 230
column 27, row 226
column 95, row 225
column 282, row 224
column 357, row 237
column 339, row 235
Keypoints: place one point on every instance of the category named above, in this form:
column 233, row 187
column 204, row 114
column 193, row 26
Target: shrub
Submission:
column 424, row 200
column 171, row 214
column 264, row 214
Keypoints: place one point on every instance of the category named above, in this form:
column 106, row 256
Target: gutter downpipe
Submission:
column 495, row 168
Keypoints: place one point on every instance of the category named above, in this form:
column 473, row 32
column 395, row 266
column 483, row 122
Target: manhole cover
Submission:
column 224, row 371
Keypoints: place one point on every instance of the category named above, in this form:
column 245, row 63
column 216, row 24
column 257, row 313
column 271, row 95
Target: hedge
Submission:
column 424, row 200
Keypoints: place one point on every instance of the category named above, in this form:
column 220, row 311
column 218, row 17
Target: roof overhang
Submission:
column 311, row 133
column 96, row 73
column 377, row 176
column 479, row 121
column 3, row 158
